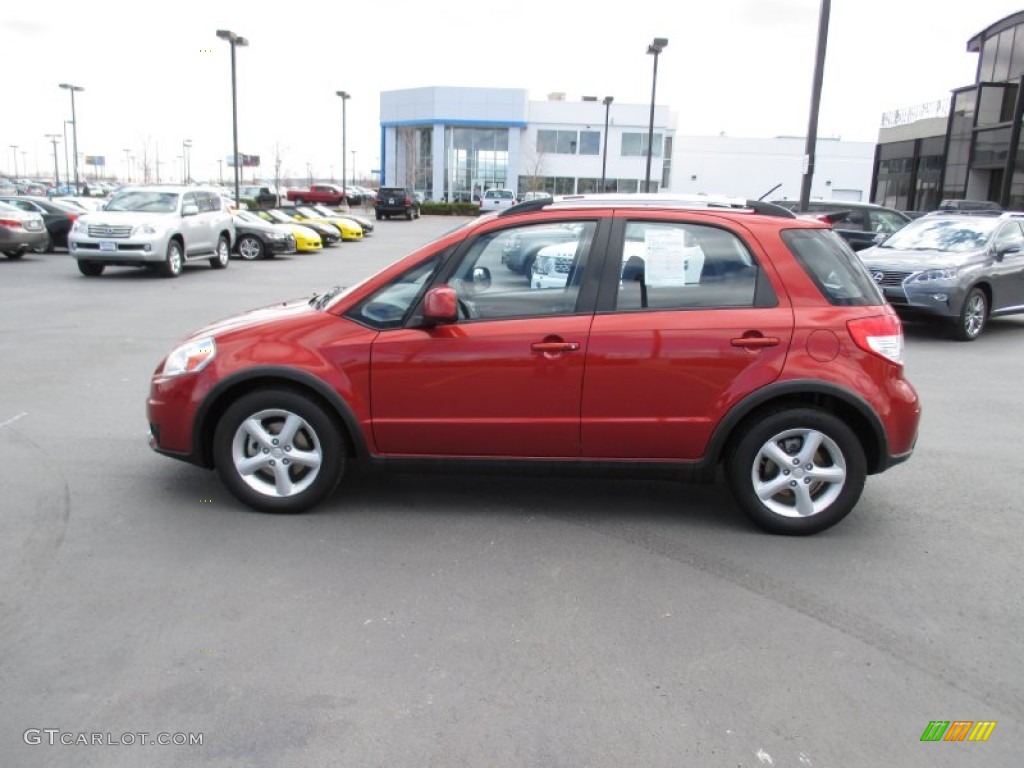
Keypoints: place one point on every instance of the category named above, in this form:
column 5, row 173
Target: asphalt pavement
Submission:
column 473, row 620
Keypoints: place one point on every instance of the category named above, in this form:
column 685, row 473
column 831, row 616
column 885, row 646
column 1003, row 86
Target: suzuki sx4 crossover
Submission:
column 659, row 334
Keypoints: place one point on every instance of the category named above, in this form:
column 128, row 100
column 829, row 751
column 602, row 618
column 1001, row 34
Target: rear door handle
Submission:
column 756, row 342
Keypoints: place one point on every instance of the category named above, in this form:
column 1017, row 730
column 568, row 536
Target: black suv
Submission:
column 396, row 201
column 862, row 222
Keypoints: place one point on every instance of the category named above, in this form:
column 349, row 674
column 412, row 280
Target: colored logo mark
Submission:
column 958, row 730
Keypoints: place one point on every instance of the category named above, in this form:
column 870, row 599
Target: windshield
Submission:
column 252, row 218
column 277, row 216
column 308, row 212
column 151, row 202
column 938, row 234
column 320, row 210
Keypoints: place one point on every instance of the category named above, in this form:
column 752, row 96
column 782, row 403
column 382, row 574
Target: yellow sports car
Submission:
column 306, row 240
column 349, row 229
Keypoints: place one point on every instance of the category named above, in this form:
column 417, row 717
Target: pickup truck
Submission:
column 325, row 194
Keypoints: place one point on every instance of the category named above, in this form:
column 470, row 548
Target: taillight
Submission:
column 881, row 335
column 10, row 223
column 72, row 216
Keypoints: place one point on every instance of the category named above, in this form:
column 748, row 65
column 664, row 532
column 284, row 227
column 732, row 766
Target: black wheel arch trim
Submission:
column 799, row 387
column 201, row 451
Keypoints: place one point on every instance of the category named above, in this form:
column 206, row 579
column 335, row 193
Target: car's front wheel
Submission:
column 278, row 451
column 797, row 471
column 250, row 248
column 174, row 260
column 90, row 268
column 973, row 316
column 220, row 261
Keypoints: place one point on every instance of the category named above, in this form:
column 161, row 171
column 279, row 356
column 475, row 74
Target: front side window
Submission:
column 1009, row 237
column 685, row 266
column 487, row 290
column 389, row 306
column 884, row 222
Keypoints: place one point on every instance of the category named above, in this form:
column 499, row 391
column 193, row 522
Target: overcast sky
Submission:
column 157, row 72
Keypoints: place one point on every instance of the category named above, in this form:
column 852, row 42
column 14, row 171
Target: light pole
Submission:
column 344, row 98
column 127, row 166
column 67, row 162
column 353, row 167
column 604, row 154
column 186, row 145
column 54, row 138
column 14, row 151
column 235, row 41
column 74, row 125
column 655, row 48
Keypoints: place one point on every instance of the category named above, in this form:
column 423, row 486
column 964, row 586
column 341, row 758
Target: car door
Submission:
column 194, row 227
column 504, row 380
column 1008, row 267
column 689, row 326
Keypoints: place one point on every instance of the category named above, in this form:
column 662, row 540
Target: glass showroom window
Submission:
column 635, row 145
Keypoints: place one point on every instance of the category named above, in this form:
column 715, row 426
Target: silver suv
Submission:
column 960, row 267
column 158, row 227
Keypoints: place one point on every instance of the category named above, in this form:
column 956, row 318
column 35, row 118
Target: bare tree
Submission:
column 146, row 166
column 534, row 163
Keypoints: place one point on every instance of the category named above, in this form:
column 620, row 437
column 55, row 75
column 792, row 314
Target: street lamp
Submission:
column 353, row 167
column 127, row 166
column 235, row 41
column 67, row 162
column 604, row 155
column 186, row 145
column 654, row 49
column 54, row 138
column 14, row 151
column 344, row 98
column 74, row 125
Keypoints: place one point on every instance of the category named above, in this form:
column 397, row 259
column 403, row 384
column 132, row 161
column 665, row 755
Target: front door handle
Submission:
column 555, row 347
column 756, row 342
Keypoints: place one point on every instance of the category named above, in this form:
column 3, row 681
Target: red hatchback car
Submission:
column 681, row 334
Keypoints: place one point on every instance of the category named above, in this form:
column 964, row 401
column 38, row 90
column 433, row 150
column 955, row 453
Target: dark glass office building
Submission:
column 978, row 156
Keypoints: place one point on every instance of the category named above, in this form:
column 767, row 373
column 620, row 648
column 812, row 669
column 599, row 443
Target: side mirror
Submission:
column 189, row 210
column 879, row 238
column 441, row 305
column 1002, row 250
column 481, row 278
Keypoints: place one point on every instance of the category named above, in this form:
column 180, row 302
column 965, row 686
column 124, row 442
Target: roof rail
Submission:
column 695, row 202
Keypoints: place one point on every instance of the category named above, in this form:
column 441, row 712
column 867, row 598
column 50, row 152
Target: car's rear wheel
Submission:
column 46, row 247
column 797, row 471
column 278, row 451
column 90, row 268
column 973, row 316
column 250, row 248
column 174, row 260
column 220, row 261
column 14, row 255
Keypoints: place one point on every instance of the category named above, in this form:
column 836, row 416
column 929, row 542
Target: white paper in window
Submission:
column 669, row 261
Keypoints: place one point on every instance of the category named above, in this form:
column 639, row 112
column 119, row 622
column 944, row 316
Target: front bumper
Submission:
column 132, row 250
column 938, row 299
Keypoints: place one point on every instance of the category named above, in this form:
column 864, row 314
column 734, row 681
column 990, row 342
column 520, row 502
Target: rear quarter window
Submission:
column 833, row 267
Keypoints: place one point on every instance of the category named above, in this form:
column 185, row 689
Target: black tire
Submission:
column 46, row 247
column 174, row 260
column 90, row 268
column 223, row 257
column 827, row 491
column 408, row 215
column 317, row 435
column 15, row 255
column 250, row 248
column 973, row 316
column 379, row 217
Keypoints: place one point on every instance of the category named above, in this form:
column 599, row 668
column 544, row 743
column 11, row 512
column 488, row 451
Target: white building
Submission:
column 452, row 143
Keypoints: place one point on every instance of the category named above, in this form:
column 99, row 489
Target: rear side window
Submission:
column 830, row 263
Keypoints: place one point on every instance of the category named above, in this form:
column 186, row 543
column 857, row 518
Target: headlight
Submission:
column 276, row 235
column 145, row 229
column 934, row 274
column 79, row 226
column 190, row 358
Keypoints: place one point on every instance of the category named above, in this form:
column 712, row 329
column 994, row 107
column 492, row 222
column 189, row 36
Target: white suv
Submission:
column 157, row 227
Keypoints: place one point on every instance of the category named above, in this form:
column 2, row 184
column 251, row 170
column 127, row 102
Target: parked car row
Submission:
column 164, row 227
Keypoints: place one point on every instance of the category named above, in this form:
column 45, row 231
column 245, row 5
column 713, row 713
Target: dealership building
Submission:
column 453, row 143
column 967, row 146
